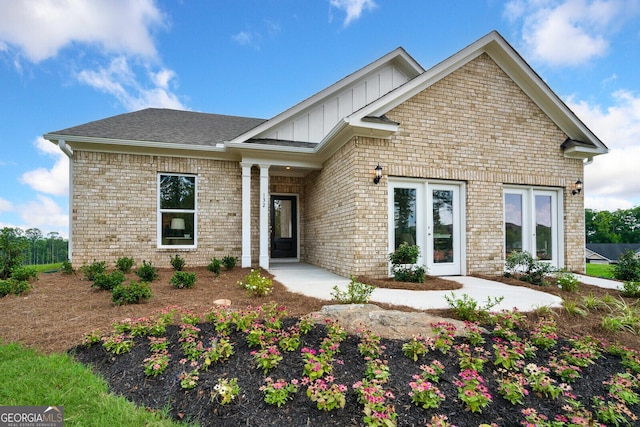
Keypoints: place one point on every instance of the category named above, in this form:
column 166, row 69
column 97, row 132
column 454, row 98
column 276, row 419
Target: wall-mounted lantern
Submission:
column 378, row 176
column 577, row 187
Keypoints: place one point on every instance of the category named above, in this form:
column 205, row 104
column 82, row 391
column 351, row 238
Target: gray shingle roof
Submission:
column 612, row 251
column 164, row 125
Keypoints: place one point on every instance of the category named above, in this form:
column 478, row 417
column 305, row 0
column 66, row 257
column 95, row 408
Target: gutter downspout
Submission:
column 62, row 144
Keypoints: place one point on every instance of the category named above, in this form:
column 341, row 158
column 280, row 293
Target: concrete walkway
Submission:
column 316, row 282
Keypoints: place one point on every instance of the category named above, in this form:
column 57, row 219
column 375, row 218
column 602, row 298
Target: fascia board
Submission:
column 407, row 62
column 133, row 143
column 582, row 152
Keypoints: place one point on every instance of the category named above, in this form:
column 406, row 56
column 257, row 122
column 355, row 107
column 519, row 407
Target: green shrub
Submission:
column 628, row 267
column 24, row 273
column 215, row 266
column 467, row 308
column 13, row 286
column 124, row 264
column 414, row 274
column 630, row 289
column 177, row 262
column 567, row 281
column 147, row 272
column 229, row 262
column 405, row 254
column 524, row 266
column 256, row 285
column 133, row 293
column 183, row 279
column 67, row 268
column 92, row 269
column 106, row 281
column 356, row 293
column 12, row 248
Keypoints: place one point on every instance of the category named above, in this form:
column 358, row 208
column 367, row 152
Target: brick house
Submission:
column 475, row 157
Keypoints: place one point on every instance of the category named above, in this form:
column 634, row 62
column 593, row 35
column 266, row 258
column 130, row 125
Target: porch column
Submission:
column 246, row 214
column 264, row 216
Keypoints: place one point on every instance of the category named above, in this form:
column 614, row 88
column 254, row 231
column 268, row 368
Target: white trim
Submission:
column 264, row 216
column 160, row 211
column 297, row 258
column 246, row 215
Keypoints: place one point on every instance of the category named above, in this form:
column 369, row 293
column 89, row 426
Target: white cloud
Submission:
column 50, row 181
column 569, row 32
column 613, row 177
column 610, row 204
column 119, row 80
column 45, row 214
column 5, row 205
column 353, row 8
column 247, row 38
column 41, row 28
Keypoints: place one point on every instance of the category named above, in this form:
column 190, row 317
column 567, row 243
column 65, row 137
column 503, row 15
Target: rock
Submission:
column 222, row 302
column 391, row 324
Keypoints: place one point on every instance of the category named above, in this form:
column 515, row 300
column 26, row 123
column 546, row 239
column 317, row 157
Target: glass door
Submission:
column 443, row 229
column 284, row 227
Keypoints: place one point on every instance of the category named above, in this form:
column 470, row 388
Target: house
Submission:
column 608, row 253
column 470, row 159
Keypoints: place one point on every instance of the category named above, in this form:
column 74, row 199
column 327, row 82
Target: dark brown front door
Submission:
column 284, row 227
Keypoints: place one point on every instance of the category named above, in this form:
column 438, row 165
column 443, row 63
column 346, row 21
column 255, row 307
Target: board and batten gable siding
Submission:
column 114, row 204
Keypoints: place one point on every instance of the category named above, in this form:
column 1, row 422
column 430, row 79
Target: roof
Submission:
column 164, row 125
column 612, row 251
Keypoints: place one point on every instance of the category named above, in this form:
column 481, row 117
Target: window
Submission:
column 177, row 221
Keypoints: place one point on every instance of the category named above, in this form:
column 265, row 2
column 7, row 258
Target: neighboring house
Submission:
column 476, row 157
column 609, row 253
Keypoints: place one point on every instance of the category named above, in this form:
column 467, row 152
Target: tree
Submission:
column 621, row 226
column 33, row 235
column 12, row 246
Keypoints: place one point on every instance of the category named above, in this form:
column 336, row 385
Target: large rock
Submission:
column 392, row 324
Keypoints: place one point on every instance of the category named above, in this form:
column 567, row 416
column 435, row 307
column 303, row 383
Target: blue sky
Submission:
column 68, row 62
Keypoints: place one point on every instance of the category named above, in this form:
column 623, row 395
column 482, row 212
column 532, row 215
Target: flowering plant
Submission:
column 544, row 334
column 444, row 333
column 621, row 387
column 417, row 346
column 316, row 364
column 267, row 358
column 376, row 369
column 289, row 340
column 425, row 394
column 189, row 380
column 225, row 391
column 507, row 356
column 92, row 337
column 279, row 391
column 377, row 412
column 469, row 359
column 474, row 333
column 472, row 391
column 513, row 387
column 158, row 344
column 432, row 371
column 157, row 363
column 439, row 421
column 219, row 351
column 256, row 285
column 325, row 393
column 369, row 345
column 118, row 344
column 567, row 372
column 188, row 340
column 541, row 382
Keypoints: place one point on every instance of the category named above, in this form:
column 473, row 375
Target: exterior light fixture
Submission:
column 378, row 171
column 577, row 187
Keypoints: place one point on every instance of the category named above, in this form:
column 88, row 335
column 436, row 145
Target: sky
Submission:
column 68, row 62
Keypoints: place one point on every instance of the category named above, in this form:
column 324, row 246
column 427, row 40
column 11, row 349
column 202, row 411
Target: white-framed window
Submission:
column 177, row 210
column 531, row 223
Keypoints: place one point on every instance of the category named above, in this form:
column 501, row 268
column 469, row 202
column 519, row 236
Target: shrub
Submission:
column 628, row 267
column 13, row 286
column 12, row 249
column 67, row 268
column 229, row 262
column 356, row 293
column 414, row 274
column 183, row 279
column 567, row 281
column 107, row 282
column 92, row 269
column 133, row 293
column 147, row 272
column 124, row 264
column 405, row 254
column 403, row 260
column 630, row 289
column 215, row 266
column 24, row 273
column 177, row 262
column 467, row 308
column 256, row 285
column 527, row 268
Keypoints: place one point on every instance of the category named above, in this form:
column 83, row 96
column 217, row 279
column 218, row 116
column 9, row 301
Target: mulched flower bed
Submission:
column 125, row 375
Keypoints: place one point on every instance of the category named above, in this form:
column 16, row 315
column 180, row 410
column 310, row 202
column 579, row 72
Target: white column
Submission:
column 246, row 214
column 264, row 216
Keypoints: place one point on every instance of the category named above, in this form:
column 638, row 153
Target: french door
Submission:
column 428, row 214
column 531, row 223
column 284, row 227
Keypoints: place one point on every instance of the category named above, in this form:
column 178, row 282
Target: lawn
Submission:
column 600, row 270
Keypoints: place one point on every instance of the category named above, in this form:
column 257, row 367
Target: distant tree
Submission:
column 621, row 226
column 12, row 246
column 33, row 235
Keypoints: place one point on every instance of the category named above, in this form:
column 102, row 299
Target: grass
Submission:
column 41, row 268
column 32, row 379
column 600, row 270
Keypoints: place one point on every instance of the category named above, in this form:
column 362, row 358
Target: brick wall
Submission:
column 118, row 217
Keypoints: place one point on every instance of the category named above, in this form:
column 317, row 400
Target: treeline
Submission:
column 35, row 247
column 621, row 226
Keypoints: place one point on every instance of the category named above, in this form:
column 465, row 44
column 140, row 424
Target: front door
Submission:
column 284, row 227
